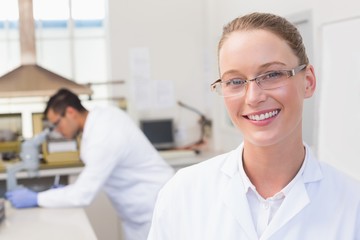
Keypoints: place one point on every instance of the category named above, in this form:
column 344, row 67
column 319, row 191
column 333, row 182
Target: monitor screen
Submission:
column 159, row 132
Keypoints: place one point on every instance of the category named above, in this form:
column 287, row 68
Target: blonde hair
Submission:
column 272, row 23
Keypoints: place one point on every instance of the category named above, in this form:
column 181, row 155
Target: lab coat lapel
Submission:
column 297, row 195
column 293, row 203
column 234, row 196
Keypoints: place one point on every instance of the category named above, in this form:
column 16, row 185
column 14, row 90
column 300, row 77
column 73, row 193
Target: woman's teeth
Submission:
column 263, row 116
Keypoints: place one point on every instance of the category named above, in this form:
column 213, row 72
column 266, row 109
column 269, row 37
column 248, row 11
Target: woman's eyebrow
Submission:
column 260, row 68
column 231, row 72
column 269, row 64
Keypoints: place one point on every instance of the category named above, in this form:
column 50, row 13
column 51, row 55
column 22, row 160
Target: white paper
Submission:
column 140, row 64
column 62, row 146
column 164, row 94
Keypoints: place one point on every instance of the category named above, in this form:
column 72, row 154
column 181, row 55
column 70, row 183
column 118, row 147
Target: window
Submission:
column 70, row 38
column 9, row 36
column 74, row 32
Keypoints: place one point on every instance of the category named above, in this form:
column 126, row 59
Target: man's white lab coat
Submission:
column 119, row 159
column 208, row 201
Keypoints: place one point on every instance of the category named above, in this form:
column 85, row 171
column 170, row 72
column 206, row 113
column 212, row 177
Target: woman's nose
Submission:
column 254, row 94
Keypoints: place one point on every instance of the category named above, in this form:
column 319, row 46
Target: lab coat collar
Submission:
column 234, row 195
column 230, row 166
column 312, row 171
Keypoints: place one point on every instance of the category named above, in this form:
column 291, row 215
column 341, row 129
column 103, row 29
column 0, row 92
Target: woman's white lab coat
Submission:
column 119, row 159
column 208, row 201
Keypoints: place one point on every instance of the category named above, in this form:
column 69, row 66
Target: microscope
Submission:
column 30, row 159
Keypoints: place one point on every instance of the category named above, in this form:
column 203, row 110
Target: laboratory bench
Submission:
column 67, row 170
column 45, row 177
column 45, row 169
column 183, row 158
column 46, row 223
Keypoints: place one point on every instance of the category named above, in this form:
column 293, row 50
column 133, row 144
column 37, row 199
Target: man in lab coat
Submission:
column 271, row 186
column 118, row 158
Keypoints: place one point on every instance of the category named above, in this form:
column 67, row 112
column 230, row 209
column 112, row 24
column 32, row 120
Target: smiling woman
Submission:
column 266, row 53
column 271, row 185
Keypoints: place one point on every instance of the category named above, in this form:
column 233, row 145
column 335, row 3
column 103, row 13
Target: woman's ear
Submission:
column 310, row 81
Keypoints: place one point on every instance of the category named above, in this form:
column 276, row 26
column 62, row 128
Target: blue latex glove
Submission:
column 22, row 198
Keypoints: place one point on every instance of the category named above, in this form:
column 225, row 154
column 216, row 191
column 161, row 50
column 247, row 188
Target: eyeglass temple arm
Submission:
column 297, row 69
column 213, row 85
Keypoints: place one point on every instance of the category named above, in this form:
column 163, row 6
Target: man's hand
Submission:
column 22, row 198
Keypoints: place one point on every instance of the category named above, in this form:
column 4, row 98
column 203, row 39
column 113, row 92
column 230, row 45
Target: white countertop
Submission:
column 183, row 158
column 176, row 158
column 46, row 223
column 47, row 172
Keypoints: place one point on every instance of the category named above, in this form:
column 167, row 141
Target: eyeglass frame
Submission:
column 57, row 122
column 290, row 73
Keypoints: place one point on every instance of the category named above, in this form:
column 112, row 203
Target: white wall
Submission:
column 339, row 131
column 173, row 32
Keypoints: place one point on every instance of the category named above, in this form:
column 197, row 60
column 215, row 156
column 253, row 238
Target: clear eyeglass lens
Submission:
column 267, row 81
column 232, row 87
column 273, row 80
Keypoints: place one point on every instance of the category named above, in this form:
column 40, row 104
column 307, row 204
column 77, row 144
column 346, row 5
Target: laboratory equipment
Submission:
column 160, row 133
column 205, row 124
column 30, row 159
column 56, row 149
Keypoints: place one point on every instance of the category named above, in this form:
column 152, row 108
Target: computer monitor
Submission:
column 160, row 132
